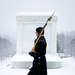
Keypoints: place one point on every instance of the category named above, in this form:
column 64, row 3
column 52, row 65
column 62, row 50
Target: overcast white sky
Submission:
column 64, row 8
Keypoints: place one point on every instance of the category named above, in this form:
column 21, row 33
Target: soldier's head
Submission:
column 38, row 30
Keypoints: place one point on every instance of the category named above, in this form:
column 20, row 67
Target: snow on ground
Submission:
column 68, row 68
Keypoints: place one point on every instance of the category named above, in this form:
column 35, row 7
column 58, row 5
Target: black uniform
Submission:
column 39, row 64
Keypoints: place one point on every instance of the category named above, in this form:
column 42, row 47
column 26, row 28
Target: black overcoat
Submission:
column 39, row 66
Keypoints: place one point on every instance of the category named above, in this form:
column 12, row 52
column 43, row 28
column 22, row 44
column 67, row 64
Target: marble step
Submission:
column 25, row 61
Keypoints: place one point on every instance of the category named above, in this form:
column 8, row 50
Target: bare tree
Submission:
column 60, row 43
column 6, row 47
column 66, row 43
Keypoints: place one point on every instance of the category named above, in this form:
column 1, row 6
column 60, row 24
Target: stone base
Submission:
column 25, row 61
column 53, row 61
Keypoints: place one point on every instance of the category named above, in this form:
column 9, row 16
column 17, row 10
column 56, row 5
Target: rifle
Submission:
column 49, row 19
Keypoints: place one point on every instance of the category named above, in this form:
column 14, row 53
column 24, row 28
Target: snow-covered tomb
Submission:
column 27, row 22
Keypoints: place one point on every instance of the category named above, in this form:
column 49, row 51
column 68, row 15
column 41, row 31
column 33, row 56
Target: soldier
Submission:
column 39, row 66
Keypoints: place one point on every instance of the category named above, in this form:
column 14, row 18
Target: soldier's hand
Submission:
column 31, row 53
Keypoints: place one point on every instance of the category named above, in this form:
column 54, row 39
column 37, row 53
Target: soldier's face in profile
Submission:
column 36, row 33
